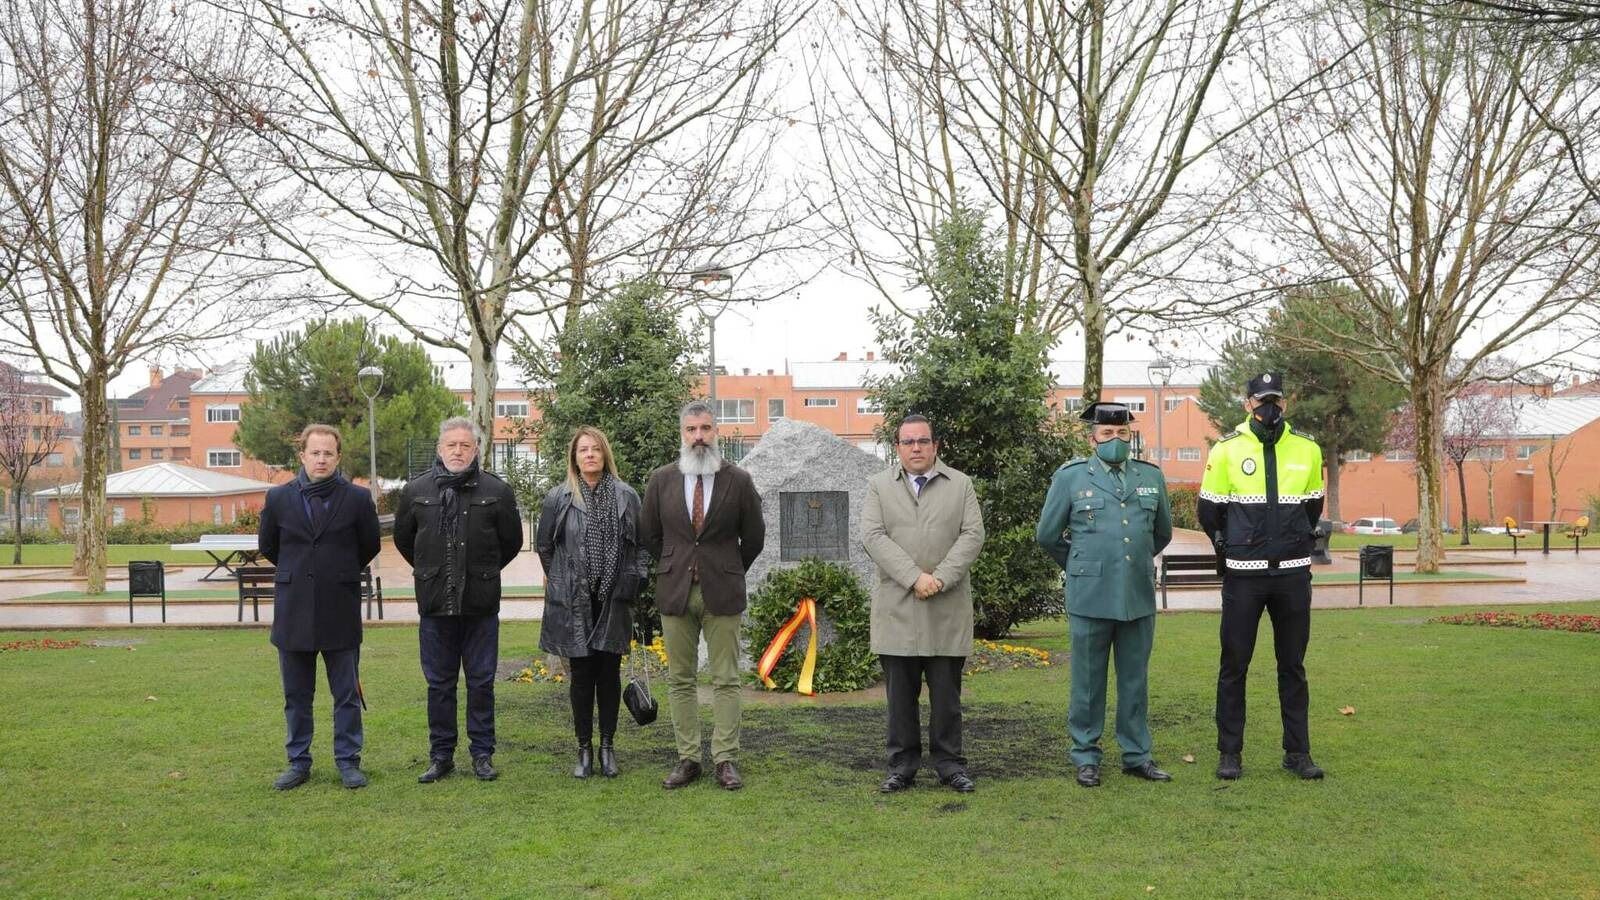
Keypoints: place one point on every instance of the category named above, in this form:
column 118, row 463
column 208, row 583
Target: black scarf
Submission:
column 1263, row 433
column 314, row 495
column 449, row 502
column 600, row 533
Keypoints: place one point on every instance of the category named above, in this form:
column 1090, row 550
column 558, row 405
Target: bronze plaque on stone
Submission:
column 814, row 523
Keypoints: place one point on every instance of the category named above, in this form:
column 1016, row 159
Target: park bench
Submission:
column 256, row 583
column 1188, row 569
column 1515, row 533
column 1578, row 531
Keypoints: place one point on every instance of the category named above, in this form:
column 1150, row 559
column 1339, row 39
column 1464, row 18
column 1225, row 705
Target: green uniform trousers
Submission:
column 1093, row 641
column 681, row 635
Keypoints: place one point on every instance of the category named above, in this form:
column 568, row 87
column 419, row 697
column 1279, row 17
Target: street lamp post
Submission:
column 1160, row 374
column 370, row 382
column 703, row 280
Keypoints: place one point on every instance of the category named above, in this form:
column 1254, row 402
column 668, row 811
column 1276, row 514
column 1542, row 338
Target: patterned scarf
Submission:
column 449, row 503
column 601, row 551
column 314, row 494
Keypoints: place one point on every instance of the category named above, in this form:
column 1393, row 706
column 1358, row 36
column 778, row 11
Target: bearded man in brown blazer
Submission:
column 702, row 522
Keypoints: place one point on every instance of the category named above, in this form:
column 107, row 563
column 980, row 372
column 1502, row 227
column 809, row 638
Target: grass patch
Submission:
column 116, row 554
column 1412, row 577
column 513, row 591
column 1534, row 541
column 1461, row 774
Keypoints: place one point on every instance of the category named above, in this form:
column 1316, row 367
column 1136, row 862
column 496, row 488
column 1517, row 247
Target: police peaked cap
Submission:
column 1267, row 384
column 1107, row 414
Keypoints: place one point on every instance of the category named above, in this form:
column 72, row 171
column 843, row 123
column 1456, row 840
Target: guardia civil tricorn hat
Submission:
column 1107, row 414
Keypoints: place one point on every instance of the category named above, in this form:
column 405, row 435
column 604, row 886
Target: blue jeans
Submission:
column 452, row 645
column 299, row 669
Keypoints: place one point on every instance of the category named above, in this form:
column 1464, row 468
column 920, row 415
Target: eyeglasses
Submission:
column 915, row 442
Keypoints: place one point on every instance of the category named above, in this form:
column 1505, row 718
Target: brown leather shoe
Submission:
column 728, row 776
column 685, row 772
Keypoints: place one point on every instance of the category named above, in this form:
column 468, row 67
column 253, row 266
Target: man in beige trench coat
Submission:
column 922, row 527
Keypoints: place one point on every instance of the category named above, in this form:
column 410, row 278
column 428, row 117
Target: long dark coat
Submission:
column 317, row 601
column 570, row 626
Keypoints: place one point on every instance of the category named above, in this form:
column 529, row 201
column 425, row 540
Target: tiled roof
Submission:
column 33, row 382
column 167, row 480
column 156, row 404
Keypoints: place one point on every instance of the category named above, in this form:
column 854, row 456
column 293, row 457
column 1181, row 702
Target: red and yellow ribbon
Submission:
column 805, row 613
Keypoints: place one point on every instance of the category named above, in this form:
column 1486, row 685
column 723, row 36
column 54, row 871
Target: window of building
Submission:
column 1398, row 455
column 1189, row 454
column 1489, row 453
column 69, row 515
column 155, row 430
column 1072, row 405
column 118, row 515
column 223, row 412
column 38, row 406
column 1171, row 403
column 867, row 407
column 1134, row 403
column 54, row 461
column 1351, row 456
column 135, row 430
column 135, row 453
column 180, row 431
column 774, row 409
column 38, row 433
column 1526, row 451
column 156, row 453
column 216, row 513
column 735, row 411
column 824, row 402
column 511, row 409
column 222, row 459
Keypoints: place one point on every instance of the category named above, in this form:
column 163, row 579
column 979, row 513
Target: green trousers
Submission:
column 681, row 635
column 1093, row 642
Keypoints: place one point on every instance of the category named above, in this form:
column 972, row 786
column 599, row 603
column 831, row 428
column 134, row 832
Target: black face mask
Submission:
column 1269, row 414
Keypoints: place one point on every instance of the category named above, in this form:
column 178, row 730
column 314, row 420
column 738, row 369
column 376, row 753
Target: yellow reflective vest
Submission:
column 1260, row 502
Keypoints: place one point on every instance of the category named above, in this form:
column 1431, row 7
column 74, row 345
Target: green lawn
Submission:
column 1467, row 770
column 1535, row 541
column 227, row 592
column 1399, row 577
column 116, row 554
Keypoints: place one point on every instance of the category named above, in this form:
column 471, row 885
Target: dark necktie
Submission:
column 1116, row 475
column 920, row 480
column 697, row 517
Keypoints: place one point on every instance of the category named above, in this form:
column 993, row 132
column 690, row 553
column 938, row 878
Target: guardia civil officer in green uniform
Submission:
column 1260, row 501
column 1104, row 521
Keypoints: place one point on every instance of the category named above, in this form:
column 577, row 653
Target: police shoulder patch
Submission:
column 1228, row 437
column 1073, row 462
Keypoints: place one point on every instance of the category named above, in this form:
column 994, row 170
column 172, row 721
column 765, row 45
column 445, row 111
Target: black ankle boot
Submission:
column 608, row 757
column 585, row 766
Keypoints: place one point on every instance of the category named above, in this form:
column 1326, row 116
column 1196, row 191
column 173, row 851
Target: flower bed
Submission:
column 39, row 644
column 654, row 658
column 993, row 656
column 1543, row 621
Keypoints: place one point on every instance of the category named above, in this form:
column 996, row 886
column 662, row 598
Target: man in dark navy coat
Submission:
column 320, row 531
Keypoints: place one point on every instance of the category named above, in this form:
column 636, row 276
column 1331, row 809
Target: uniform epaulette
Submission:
column 1304, row 435
column 1073, row 462
column 1229, row 436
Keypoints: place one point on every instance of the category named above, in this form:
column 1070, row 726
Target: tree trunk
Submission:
column 1427, row 403
column 1094, row 344
column 1332, row 512
column 1555, row 496
column 16, row 558
column 91, row 558
column 485, row 373
column 1466, row 521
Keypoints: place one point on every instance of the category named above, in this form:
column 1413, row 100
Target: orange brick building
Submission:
column 163, row 493
column 42, row 401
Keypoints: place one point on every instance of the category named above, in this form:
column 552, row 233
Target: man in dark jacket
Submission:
column 458, row 527
column 320, row 531
column 702, row 522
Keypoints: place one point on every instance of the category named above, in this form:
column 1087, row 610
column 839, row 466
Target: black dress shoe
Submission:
column 483, row 767
column 960, row 782
column 608, row 758
column 1229, row 767
column 291, row 779
column 895, row 783
column 685, row 772
column 585, row 766
column 437, row 769
column 1301, row 764
column 352, row 777
column 1089, row 776
column 1146, row 770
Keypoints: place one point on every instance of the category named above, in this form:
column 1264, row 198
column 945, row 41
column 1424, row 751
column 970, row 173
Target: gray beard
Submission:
column 699, row 461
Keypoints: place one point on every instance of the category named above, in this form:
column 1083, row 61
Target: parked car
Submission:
column 1411, row 525
column 1373, row 525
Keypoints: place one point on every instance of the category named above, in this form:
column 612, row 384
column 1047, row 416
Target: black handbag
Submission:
column 640, row 702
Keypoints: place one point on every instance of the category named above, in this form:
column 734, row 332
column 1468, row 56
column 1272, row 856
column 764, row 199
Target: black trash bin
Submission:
column 1319, row 547
column 1377, row 564
column 147, row 578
